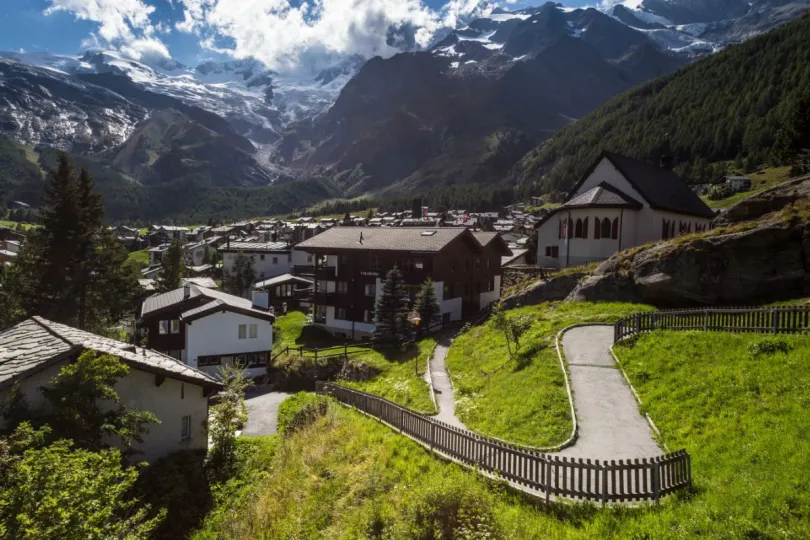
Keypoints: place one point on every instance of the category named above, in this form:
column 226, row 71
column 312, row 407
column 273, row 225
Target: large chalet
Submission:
column 349, row 265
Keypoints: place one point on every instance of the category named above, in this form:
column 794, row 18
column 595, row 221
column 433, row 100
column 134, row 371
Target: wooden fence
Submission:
column 346, row 348
column 729, row 319
column 584, row 479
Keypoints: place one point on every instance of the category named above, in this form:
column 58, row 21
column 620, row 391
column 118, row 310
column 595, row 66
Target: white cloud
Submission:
column 123, row 24
column 286, row 37
column 21, row 51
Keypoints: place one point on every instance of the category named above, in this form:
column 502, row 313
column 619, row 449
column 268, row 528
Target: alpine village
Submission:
column 405, row 269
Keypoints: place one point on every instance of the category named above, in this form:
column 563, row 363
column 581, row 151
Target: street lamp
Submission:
column 416, row 319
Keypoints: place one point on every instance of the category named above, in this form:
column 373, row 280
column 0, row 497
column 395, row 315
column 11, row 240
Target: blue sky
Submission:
column 151, row 26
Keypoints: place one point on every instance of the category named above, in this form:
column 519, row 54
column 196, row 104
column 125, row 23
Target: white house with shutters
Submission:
column 620, row 203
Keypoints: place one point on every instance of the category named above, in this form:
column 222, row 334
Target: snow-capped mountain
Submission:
column 257, row 102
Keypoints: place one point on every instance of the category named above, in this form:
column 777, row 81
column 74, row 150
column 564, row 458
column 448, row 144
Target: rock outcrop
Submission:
column 765, row 261
column 556, row 288
column 765, row 202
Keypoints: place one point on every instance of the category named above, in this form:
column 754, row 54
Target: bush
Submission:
column 296, row 373
column 458, row 507
column 717, row 192
column 768, row 346
column 179, row 484
column 299, row 410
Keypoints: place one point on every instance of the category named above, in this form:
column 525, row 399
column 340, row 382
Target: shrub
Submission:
column 768, row 346
column 458, row 507
column 296, row 372
column 299, row 410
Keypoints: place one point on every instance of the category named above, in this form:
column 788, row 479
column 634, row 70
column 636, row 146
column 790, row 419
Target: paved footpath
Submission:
column 262, row 412
column 610, row 424
column 442, row 386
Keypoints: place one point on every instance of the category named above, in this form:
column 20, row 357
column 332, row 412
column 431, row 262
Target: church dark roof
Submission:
column 603, row 196
column 662, row 188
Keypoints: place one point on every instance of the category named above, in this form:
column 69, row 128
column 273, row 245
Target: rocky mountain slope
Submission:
column 466, row 110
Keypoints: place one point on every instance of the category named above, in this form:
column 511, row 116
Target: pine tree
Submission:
column 391, row 310
column 427, row 305
column 66, row 269
column 241, row 278
column 172, row 269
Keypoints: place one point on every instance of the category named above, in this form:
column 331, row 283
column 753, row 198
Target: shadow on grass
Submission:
column 525, row 357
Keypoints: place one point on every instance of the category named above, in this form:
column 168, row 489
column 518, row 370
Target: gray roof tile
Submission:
column 35, row 342
column 385, row 238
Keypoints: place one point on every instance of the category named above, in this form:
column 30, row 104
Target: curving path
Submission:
column 262, row 408
column 610, row 424
column 442, row 386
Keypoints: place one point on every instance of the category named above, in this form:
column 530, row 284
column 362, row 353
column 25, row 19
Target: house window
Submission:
column 368, row 316
column 578, row 229
column 342, row 287
column 175, row 326
column 309, row 259
column 478, row 262
column 552, row 251
column 489, row 264
column 344, row 259
column 371, row 289
column 261, row 257
column 203, row 361
column 242, row 331
column 570, row 228
column 253, row 331
column 665, row 230
column 605, row 228
column 275, row 260
column 452, row 266
column 466, row 265
column 163, row 327
column 585, row 228
column 615, row 231
column 340, row 313
column 597, row 231
column 374, row 262
column 419, row 264
column 447, row 291
column 185, row 430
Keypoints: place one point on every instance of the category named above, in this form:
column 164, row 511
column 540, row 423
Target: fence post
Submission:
column 656, row 480
column 316, row 355
column 432, row 436
column 604, row 482
column 638, row 322
column 548, row 481
column 705, row 320
column 775, row 320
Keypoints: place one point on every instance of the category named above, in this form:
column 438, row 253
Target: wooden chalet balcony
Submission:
column 318, row 272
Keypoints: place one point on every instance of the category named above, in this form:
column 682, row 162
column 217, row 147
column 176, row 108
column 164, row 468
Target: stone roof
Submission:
column 415, row 239
column 516, row 254
column 603, row 196
column 36, row 343
column 257, row 246
column 177, row 296
column 284, row 278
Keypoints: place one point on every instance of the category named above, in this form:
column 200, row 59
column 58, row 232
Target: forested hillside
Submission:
column 749, row 103
column 187, row 199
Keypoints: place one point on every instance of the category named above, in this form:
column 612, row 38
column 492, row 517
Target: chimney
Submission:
column 186, row 291
column 665, row 162
column 261, row 299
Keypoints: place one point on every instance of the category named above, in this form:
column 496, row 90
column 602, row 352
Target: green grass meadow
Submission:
column 522, row 401
column 737, row 402
column 399, row 374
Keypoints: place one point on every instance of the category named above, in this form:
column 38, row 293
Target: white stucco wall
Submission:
column 262, row 268
column 637, row 226
column 170, row 401
column 218, row 334
column 333, row 325
column 489, row 297
column 302, row 258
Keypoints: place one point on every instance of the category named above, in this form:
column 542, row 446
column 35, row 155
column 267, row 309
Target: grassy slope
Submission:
column 13, row 225
column 745, row 420
column 139, row 258
column 400, row 376
column 529, row 405
column 760, row 181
